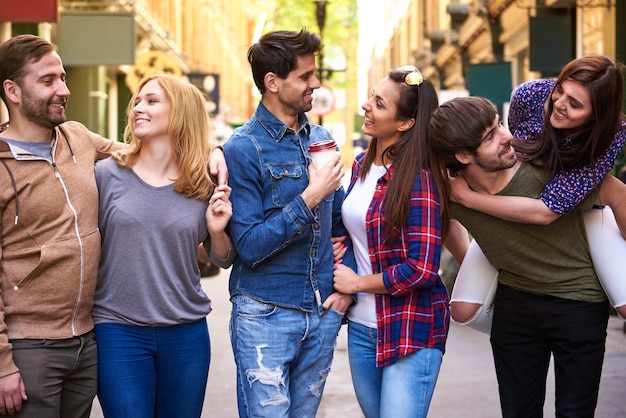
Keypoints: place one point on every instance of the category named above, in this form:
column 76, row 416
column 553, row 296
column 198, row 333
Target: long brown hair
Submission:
column 602, row 78
column 410, row 154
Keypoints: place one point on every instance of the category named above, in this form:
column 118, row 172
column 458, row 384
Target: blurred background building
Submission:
column 107, row 46
column 485, row 47
column 479, row 47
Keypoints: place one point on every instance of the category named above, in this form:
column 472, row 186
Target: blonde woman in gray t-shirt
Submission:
column 157, row 204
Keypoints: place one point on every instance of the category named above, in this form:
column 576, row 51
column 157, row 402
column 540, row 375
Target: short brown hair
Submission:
column 18, row 51
column 278, row 51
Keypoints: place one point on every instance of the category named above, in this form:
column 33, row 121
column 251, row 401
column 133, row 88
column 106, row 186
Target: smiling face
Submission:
column 495, row 152
column 571, row 106
column 43, row 92
column 295, row 92
column 151, row 111
column 381, row 112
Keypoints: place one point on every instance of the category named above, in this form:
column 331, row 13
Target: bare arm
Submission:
column 457, row 241
column 347, row 281
column 510, row 208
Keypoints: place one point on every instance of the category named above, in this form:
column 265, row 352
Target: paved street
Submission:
column 466, row 387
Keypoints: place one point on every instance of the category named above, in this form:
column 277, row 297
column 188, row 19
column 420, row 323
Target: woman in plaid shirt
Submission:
column 397, row 330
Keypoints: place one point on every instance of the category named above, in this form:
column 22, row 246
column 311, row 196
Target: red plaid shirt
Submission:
column 415, row 314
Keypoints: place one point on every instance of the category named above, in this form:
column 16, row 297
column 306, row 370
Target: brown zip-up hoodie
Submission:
column 49, row 238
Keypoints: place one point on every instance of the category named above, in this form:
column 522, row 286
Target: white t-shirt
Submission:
column 353, row 212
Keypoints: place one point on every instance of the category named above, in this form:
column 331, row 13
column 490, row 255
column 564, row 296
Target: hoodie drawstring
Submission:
column 68, row 144
column 17, row 205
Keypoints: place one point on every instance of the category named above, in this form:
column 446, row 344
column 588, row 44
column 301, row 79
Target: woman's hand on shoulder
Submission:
column 459, row 189
column 217, row 165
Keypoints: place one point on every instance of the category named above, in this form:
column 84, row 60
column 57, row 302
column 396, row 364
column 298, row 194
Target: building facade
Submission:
column 107, row 46
column 486, row 47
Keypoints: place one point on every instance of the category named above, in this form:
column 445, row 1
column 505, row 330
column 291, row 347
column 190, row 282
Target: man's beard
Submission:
column 36, row 111
column 491, row 166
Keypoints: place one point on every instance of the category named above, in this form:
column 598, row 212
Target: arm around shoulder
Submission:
column 103, row 146
column 510, row 208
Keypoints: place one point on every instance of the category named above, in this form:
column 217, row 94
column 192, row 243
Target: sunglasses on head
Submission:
column 413, row 76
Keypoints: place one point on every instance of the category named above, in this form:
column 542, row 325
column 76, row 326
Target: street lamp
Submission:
column 320, row 15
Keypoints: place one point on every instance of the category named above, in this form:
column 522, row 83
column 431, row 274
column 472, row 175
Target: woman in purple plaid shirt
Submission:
column 397, row 330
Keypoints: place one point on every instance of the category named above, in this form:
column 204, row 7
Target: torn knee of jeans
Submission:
column 273, row 377
column 316, row 389
column 269, row 377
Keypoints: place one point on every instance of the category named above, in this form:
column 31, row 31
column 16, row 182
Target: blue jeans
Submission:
column 145, row 372
column 60, row 375
column 403, row 389
column 283, row 357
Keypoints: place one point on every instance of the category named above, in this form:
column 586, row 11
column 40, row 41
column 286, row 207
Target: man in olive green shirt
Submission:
column 549, row 301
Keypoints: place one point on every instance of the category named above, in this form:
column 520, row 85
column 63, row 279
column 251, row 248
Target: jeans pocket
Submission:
column 336, row 312
column 247, row 307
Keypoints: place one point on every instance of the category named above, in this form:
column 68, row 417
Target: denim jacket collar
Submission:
column 275, row 127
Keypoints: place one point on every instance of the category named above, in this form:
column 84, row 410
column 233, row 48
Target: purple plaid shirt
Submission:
column 415, row 313
column 568, row 187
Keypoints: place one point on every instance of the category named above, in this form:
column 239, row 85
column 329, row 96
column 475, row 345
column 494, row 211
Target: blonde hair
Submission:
column 188, row 129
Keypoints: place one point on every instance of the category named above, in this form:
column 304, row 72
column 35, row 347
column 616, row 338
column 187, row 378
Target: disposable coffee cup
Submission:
column 322, row 151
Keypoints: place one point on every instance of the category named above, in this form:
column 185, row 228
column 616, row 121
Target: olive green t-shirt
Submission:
column 549, row 259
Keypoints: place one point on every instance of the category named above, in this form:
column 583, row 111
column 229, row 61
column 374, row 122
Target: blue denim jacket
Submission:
column 284, row 250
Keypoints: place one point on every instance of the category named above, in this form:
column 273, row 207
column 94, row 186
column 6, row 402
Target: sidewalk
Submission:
column 466, row 386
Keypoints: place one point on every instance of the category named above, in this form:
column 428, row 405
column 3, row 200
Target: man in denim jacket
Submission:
column 286, row 314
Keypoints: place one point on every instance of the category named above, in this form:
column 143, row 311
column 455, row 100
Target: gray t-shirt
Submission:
column 148, row 273
column 40, row 149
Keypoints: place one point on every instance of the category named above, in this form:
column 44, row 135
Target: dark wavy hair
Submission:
column 277, row 52
column 602, row 77
column 458, row 125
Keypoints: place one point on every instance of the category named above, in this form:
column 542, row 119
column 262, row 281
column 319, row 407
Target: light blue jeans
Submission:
column 402, row 390
column 283, row 357
column 147, row 372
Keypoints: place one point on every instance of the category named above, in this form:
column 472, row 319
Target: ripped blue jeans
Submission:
column 283, row 357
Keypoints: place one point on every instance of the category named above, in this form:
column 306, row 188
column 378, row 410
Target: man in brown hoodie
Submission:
column 49, row 238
